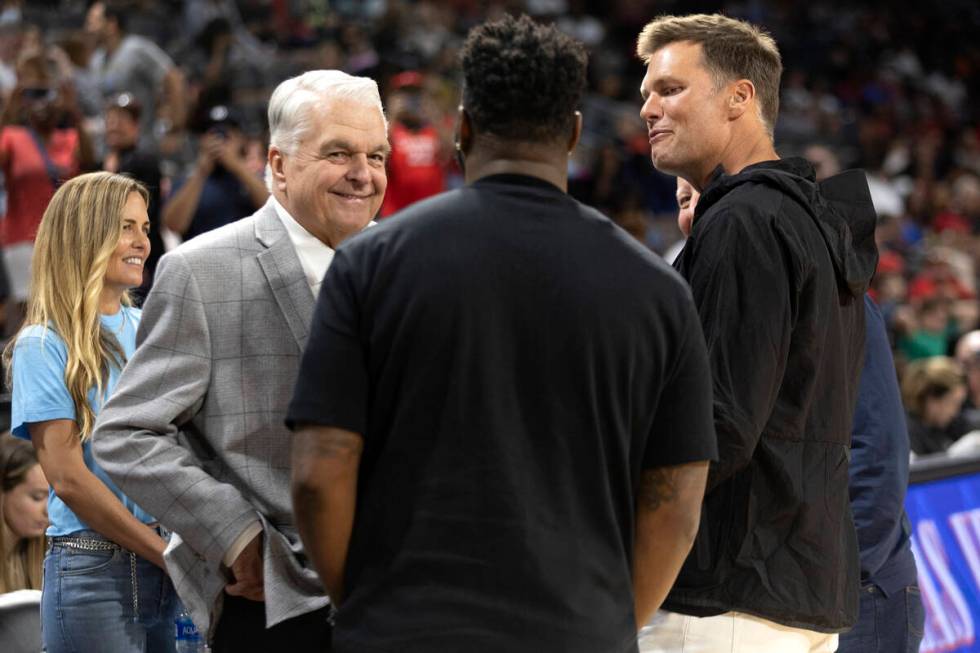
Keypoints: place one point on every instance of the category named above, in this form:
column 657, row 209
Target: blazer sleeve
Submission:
column 138, row 439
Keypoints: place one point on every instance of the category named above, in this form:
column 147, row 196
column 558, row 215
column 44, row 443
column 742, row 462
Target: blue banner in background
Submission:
column 945, row 516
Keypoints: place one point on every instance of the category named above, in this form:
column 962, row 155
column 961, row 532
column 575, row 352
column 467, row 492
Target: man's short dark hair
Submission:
column 732, row 49
column 522, row 80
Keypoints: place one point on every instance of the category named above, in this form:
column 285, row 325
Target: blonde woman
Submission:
column 24, row 511
column 104, row 585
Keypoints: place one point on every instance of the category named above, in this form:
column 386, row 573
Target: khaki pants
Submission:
column 732, row 632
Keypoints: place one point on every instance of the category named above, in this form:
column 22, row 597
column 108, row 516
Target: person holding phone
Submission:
column 221, row 188
column 37, row 153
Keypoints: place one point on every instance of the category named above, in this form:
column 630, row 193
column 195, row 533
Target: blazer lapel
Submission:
column 283, row 271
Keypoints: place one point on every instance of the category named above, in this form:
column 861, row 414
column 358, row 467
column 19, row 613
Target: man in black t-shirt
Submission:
column 503, row 414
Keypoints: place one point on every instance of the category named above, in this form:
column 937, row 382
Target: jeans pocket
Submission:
column 79, row 563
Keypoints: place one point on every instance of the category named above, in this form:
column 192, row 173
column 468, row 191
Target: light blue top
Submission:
column 40, row 394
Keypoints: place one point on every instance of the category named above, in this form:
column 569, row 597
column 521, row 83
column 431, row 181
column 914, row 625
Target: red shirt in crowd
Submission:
column 415, row 168
column 29, row 187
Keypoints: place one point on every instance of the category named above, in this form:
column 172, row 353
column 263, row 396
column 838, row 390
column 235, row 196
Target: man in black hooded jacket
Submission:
column 778, row 265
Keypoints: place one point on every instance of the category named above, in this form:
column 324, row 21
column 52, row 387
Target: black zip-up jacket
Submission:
column 778, row 265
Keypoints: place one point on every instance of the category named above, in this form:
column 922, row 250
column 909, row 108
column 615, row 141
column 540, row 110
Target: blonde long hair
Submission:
column 78, row 234
column 23, row 568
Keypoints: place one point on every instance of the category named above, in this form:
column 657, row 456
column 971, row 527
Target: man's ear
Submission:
column 741, row 97
column 464, row 131
column 576, row 132
column 276, row 163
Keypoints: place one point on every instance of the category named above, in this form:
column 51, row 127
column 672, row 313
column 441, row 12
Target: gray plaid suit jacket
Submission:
column 194, row 432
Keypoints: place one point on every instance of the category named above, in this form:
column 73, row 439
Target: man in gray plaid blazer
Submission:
column 195, row 430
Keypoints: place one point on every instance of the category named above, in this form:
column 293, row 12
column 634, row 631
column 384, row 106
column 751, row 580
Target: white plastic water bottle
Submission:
column 188, row 638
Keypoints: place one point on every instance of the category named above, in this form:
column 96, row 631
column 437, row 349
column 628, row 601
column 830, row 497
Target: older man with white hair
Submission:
column 195, row 431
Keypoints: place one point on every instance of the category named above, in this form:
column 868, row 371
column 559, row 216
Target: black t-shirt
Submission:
column 513, row 361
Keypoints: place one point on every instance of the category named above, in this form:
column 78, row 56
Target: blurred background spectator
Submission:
column 931, row 331
column 934, row 390
column 865, row 86
column 123, row 154
column 41, row 145
column 221, row 188
column 968, row 356
column 129, row 63
column 24, row 511
column 420, row 143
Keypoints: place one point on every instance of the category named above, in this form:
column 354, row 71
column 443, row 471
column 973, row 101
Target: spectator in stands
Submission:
column 128, row 63
column 208, row 63
column 222, row 188
column 889, row 288
column 23, row 515
column 77, row 50
column 417, row 167
column 931, row 332
column 934, row 390
column 825, row 162
column 968, row 356
column 216, row 57
column 106, row 554
column 246, row 53
column 940, row 277
column 125, row 156
column 963, row 212
column 36, row 155
column 687, row 200
column 11, row 42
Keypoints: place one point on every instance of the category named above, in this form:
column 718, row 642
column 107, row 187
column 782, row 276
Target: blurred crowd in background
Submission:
column 175, row 92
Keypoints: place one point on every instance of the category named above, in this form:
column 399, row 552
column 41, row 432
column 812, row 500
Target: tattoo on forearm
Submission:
column 316, row 450
column 657, row 487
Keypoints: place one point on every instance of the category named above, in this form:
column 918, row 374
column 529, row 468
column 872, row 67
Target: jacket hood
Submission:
column 840, row 207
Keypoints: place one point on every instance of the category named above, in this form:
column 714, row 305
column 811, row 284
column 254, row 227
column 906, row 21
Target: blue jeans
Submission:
column 886, row 624
column 111, row 601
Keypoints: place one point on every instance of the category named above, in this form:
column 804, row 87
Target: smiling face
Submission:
column 25, row 506
column 335, row 181
column 685, row 112
column 125, row 269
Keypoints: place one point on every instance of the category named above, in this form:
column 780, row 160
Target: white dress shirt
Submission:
column 314, row 255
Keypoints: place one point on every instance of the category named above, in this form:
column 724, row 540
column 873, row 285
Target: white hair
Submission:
column 291, row 104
